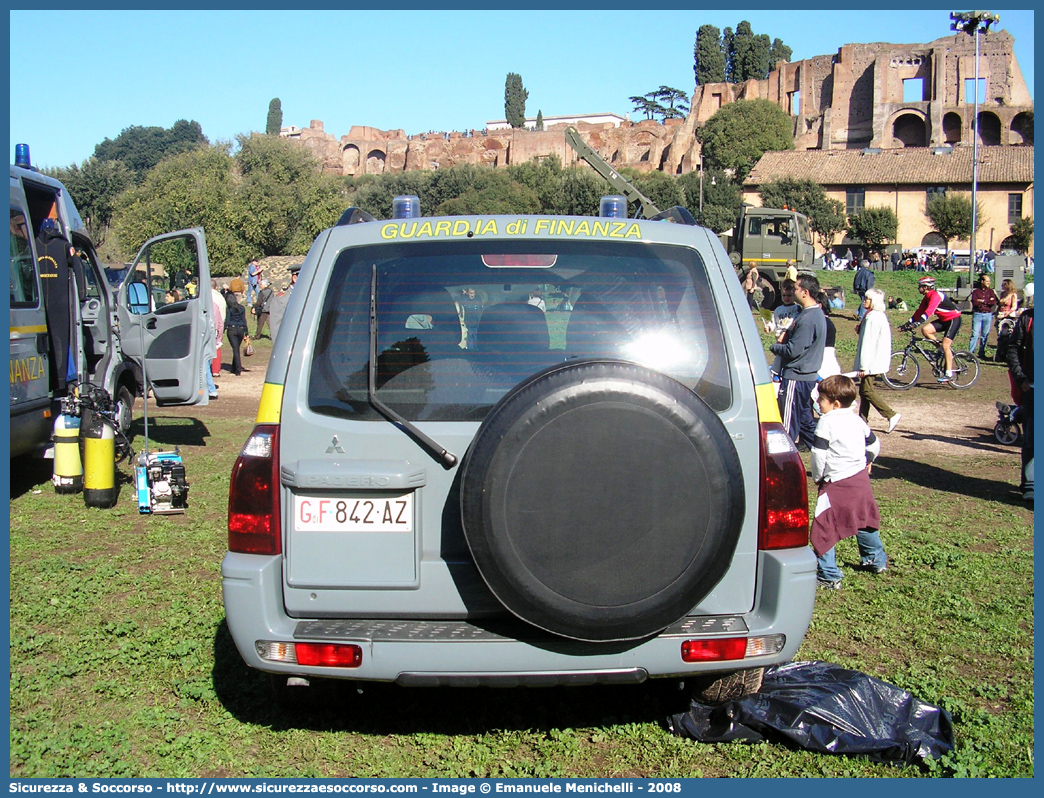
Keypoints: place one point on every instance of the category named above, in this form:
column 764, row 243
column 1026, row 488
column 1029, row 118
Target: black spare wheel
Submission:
column 601, row 500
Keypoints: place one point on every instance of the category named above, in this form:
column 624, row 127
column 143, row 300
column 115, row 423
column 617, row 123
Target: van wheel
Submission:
column 601, row 500
column 124, row 409
column 718, row 688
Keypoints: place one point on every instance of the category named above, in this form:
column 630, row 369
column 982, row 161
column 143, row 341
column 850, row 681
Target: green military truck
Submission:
column 768, row 238
column 764, row 237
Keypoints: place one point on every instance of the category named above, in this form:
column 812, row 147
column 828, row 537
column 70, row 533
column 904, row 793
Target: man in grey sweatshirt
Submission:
column 800, row 350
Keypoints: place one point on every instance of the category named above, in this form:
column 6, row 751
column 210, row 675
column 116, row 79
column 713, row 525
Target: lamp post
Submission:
column 973, row 23
column 714, row 182
column 701, row 186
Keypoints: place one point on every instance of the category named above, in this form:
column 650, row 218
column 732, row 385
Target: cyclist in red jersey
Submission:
column 947, row 320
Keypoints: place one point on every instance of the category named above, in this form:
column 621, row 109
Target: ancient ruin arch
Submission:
column 909, row 129
column 1021, row 129
column 933, row 239
column 989, row 129
column 953, row 128
column 350, row 159
column 375, row 163
column 664, row 156
column 638, row 149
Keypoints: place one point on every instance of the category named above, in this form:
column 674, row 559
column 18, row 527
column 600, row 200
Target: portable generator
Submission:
column 160, row 481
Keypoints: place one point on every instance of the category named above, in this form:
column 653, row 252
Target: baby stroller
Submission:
column 1007, row 429
column 1005, row 327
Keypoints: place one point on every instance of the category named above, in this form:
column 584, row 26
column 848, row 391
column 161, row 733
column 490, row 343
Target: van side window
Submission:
column 90, row 278
column 23, row 270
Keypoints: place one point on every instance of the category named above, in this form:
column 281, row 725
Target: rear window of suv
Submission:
column 458, row 324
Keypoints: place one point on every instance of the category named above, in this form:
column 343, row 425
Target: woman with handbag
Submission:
column 235, row 329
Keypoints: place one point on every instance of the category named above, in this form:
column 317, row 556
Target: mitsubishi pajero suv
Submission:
column 518, row 450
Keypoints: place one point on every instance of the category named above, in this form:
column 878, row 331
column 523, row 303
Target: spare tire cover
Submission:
column 601, row 500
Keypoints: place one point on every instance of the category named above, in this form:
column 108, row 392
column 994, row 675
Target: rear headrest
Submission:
column 593, row 332
column 513, row 328
column 429, row 317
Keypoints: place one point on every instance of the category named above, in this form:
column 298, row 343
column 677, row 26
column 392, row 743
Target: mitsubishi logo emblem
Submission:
column 335, row 446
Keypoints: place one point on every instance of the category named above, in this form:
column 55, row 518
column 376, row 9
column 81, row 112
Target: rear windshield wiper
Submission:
column 447, row 459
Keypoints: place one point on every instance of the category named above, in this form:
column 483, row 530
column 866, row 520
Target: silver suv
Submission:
column 518, row 450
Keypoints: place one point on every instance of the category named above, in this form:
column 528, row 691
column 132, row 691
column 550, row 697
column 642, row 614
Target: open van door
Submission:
column 164, row 309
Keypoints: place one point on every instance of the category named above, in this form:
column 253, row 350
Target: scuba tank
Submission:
column 99, row 461
column 68, row 470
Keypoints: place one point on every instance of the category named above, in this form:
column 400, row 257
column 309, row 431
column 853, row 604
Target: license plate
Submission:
column 384, row 514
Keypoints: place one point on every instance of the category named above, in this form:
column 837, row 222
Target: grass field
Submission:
column 121, row 664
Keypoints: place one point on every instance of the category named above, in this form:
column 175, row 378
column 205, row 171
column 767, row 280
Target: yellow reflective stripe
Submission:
column 768, row 407
column 271, row 404
column 766, row 260
column 32, row 330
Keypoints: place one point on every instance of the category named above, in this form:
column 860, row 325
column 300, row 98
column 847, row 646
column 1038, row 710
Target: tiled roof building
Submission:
column 916, row 166
column 904, row 179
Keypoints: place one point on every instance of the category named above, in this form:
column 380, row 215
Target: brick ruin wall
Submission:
column 853, row 99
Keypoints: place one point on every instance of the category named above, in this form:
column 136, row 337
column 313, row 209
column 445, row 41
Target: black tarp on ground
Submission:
column 823, row 707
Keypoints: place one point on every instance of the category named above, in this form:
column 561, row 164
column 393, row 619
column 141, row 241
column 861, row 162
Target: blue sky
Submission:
column 410, row 70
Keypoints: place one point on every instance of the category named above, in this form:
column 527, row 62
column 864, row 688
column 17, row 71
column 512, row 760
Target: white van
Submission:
column 109, row 337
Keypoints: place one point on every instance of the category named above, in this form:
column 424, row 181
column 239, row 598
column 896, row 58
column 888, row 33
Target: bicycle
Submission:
column 905, row 370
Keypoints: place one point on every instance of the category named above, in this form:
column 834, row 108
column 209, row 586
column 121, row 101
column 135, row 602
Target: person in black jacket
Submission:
column 262, row 306
column 61, row 280
column 1019, row 355
column 235, row 329
column 863, row 282
column 800, row 349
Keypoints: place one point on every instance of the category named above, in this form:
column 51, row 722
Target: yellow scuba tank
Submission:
column 99, row 461
column 68, row 470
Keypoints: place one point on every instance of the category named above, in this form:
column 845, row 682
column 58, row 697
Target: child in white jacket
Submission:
column 873, row 357
column 842, row 451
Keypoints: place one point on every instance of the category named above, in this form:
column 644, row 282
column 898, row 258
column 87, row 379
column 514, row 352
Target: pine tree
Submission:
column 275, row 117
column 676, row 100
column 515, row 97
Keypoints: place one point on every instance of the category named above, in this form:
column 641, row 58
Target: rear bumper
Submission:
column 433, row 652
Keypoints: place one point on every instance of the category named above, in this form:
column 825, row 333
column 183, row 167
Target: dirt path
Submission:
column 237, row 396
column 938, row 421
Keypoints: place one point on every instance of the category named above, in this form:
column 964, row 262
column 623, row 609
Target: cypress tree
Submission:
column 708, row 56
column 275, row 117
column 515, row 97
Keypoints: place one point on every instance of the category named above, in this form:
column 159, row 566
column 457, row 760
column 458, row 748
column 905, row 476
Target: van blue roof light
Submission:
column 613, row 206
column 22, row 156
column 406, row 206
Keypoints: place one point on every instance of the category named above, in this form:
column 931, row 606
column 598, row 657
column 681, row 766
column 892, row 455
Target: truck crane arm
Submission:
column 615, row 179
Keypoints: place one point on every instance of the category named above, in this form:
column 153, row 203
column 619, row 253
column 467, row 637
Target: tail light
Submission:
column 783, row 517
column 332, row 655
column 327, row 655
column 713, row 649
column 253, row 495
column 717, row 649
